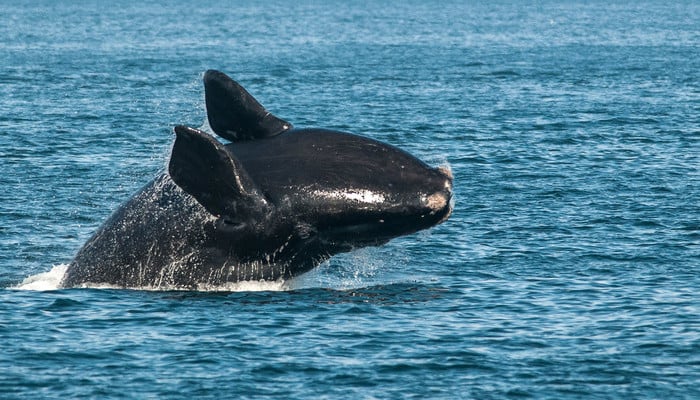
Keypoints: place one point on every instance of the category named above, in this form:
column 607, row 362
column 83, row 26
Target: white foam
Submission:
column 244, row 286
column 52, row 279
column 44, row 281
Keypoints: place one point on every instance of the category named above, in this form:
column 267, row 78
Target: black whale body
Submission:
column 273, row 204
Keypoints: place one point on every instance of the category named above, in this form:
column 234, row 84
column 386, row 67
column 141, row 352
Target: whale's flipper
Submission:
column 234, row 114
column 202, row 167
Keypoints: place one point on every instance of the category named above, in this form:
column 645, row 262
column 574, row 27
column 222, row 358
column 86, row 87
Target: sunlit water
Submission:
column 569, row 268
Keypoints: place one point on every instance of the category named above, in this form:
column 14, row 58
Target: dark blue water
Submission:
column 569, row 269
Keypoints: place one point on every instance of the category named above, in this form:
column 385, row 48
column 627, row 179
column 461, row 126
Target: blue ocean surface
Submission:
column 570, row 268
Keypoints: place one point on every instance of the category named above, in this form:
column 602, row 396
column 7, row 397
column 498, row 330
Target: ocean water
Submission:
column 569, row 269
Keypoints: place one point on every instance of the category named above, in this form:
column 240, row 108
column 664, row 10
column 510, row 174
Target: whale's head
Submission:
column 346, row 189
column 315, row 192
column 329, row 190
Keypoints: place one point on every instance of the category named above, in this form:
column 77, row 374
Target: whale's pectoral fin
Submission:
column 234, row 114
column 201, row 166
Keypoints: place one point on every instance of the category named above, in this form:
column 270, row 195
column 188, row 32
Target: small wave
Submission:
column 44, row 281
column 503, row 73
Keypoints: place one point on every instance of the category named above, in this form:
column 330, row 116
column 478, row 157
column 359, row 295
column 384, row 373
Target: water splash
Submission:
column 44, row 281
column 51, row 280
column 347, row 271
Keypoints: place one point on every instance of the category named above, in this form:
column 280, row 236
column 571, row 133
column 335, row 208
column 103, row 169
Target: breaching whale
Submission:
column 272, row 204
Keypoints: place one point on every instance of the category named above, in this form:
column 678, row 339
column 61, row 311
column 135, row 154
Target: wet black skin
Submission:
column 273, row 204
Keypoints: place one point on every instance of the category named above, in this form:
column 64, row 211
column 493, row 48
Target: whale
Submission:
column 265, row 201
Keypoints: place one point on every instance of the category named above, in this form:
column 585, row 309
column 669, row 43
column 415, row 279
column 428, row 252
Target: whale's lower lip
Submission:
column 450, row 194
column 442, row 202
column 450, row 205
column 383, row 229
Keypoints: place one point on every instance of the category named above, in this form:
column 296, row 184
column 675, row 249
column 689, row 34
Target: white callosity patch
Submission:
column 436, row 202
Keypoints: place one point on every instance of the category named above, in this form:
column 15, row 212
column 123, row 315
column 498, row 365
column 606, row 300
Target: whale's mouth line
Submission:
column 383, row 229
column 450, row 209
